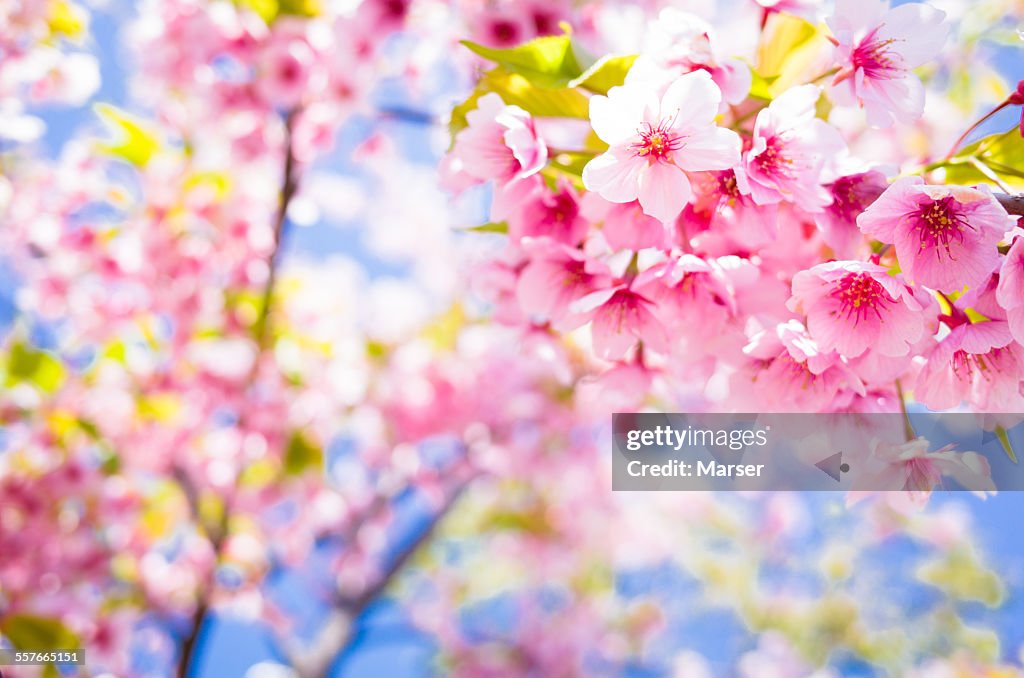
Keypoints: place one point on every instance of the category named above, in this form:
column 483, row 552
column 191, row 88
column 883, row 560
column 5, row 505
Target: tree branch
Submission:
column 261, row 329
column 336, row 633
column 1013, row 204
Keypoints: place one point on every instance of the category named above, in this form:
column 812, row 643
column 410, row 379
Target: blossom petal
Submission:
column 615, row 175
column 713, row 148
column 691, row 101
column 616, row 117
column 664, row 191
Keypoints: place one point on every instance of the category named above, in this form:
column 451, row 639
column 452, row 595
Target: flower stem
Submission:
column 908, row 428
column 977, row 123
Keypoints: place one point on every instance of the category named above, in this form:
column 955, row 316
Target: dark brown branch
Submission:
column 1013, row 204
column 217, row 534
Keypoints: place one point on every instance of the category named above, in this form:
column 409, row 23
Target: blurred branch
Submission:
column 289, row 187
column 355, row 605
column 217, row 534
column 409, row 115
column 336, row 633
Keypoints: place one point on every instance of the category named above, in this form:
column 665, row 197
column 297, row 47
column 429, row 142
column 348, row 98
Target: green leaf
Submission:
column 790, row 47
column 271, row 10
column 133, row 142
column 961, row 575
column 33, row 632
column 760, row 85
column 1004, row 440
column 516, row 90
column 490, row 227
column 608, row 72
column 302, row 454
column 1002, row 154
column 300, row 8
column 547, row 61
column 28, row 364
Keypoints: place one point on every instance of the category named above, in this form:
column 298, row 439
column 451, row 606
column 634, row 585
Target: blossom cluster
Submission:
column 715, row 234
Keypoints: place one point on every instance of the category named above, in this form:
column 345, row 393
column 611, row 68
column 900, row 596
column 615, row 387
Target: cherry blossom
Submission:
column 682, row 43
column 914, row 467
column 654, row 139
column 877, row 48
column 205, row 392
column 791, row 152
column 499, row 143
column 853, row 306
column 1010, row 292
column 945, row 237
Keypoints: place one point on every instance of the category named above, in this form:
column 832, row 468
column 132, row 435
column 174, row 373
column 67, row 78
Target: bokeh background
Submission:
column 387, row 362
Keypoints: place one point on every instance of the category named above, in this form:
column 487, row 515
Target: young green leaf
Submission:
column 608, row 72
column 547, row 61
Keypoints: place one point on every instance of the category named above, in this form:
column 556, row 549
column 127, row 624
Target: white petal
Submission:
column 713, row 148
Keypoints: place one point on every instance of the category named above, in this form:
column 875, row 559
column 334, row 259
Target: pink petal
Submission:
column 711, row 148
column 664, row 191
column 615, row 175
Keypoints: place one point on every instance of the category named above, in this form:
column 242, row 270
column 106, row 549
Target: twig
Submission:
column 217, row 534
column 1013, row 204
column 336, row 633
column 908, row 428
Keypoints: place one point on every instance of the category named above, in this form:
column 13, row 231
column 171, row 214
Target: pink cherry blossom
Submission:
column 851, row 195
column 914, row 467
column 792, row 374
column 877, row 48
column 621, row 318
column 945, row 236
column 724, row 219
column 694, row 298
column 553, row 214
column 681, row 43
column 790, row 152
column 654, row 139
column 556, row 277
column 624, row 225
column 499, row 143
column 1010, row 292
column 978, row 363
column 285, row 67
column 854, row 306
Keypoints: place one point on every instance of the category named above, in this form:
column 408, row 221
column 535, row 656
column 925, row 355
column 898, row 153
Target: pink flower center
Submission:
column 850, row 195
column 727, row 185
column 657, row 142
column 774, row 160
column 504, row 32
column 575, row 275
column 860, row 294
column 561, row 208
column 966, row 365
column 797, row 374
column 939, row 223
column 878, row 61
